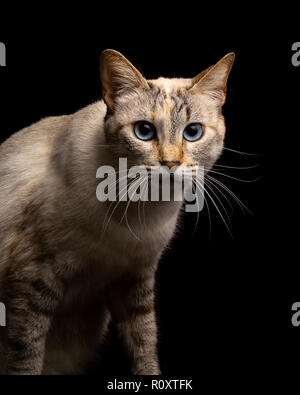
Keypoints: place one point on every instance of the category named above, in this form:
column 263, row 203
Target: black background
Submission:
column 224, row 302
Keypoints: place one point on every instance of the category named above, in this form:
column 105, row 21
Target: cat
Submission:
column 61, row 279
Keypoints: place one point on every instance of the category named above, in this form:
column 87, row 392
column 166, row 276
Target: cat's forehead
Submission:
column 167, row 101
column 170, row 99
column 169, row 85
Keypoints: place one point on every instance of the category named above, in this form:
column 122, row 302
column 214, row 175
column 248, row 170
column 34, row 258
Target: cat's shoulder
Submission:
column 45, row 129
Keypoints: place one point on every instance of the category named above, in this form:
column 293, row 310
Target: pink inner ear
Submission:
column 214, row 78
column 118, row 74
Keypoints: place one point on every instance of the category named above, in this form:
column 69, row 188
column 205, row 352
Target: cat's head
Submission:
column 164, row 121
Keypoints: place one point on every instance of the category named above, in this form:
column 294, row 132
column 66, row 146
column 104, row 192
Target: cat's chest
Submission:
column 113, row 257
column 96, row 262
column 125, row 246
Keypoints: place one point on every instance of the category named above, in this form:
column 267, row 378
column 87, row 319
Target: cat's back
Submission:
column 25, row 154
column 24, row 157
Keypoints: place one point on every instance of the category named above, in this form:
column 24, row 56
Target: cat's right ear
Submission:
column 118, row 76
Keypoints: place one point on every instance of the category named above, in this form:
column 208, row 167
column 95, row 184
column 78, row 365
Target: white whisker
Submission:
column 238, row 201
column 237, row 167
column 219, row 200
column 207, row 179
column 234, row 178
column 218, row 210
column 240, row 152
column 116, row 205
column 128, row 204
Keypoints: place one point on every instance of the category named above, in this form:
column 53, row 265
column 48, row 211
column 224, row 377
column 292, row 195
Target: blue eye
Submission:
column 193, row 132
column 144, row 130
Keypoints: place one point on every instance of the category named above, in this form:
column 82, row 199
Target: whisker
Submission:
column 117, row 172
column 116, row 205
column 127, row 206
column 234, row 178
column 219, row 212
column 241, row 152
column 238, row 201
column 202, row 193
column 115, row 183
column 219, row 190
column 219, row 200
column 142, row 193
column 144, row 203
column 236, row 167
column 209, row 216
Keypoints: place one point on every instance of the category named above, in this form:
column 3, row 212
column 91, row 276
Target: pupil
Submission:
column 145, row 129
column 193, row 131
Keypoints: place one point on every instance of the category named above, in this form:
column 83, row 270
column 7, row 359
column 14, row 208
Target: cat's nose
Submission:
column 170, row 163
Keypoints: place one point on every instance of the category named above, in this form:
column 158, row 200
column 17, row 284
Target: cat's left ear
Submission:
column 118, row 76
column 212, row 82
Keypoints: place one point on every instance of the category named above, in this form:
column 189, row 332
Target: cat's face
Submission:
column 164, row 121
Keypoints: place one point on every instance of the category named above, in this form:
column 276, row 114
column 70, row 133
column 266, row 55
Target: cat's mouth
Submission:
column 185, row 170
column 181, row 166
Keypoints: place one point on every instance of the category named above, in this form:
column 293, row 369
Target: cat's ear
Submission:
column 118, row 76
column 212, row 81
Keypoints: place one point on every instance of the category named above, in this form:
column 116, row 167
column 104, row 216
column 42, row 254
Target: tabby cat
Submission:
column 61, row 279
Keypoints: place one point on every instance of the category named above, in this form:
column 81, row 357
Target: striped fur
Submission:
column 61, row 277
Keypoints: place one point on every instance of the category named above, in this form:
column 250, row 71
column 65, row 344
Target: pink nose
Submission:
column 170, row 163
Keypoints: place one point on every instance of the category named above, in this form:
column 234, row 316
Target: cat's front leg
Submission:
column 132, row 307
column 31, row 303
